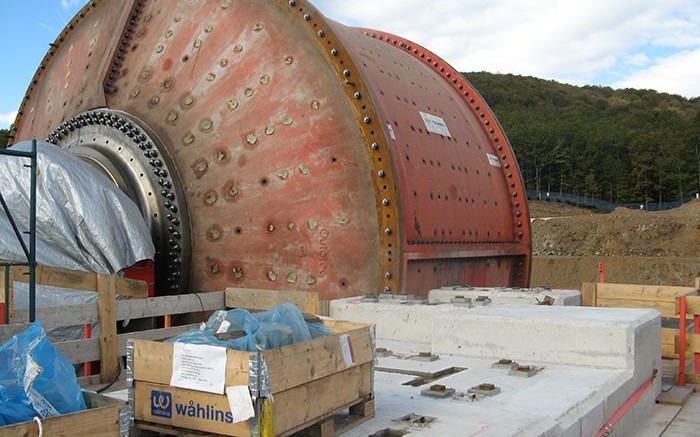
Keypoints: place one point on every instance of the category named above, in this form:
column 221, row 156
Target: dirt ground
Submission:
column 636, row 246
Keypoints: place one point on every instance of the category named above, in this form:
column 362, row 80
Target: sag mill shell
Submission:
column 269, row 147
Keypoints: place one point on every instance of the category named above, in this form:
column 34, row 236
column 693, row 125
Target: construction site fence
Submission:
column 603, row 205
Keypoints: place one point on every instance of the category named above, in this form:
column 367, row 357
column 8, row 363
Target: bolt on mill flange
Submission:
column 270, row 147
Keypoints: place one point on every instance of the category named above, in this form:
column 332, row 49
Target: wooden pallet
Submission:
column 331, row 425
column 101, row 419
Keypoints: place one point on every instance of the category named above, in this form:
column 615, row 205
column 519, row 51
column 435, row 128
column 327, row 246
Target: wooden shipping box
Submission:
column 101, row 419
column 309, row 381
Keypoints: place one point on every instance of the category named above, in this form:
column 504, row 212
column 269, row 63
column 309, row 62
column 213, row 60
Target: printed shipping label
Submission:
column 199, row 367
column 435, row 124
column 493, row 160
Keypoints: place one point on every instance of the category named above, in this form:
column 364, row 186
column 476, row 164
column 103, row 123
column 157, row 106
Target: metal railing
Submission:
column 602, row 205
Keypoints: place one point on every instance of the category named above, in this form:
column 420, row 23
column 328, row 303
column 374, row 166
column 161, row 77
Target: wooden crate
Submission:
column 662, row 298
column 309, row 381
column 101, row 419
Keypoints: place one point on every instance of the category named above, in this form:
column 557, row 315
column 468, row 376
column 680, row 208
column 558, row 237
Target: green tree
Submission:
column 626, row 146
column 4, row 137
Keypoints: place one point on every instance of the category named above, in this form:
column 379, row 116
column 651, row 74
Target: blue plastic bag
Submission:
column 279, row 326
column 35, row 379
column 287, row 315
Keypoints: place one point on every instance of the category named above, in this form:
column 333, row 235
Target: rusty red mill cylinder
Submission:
column 272, row 148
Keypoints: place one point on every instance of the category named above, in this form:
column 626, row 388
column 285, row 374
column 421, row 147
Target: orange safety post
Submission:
column 696, row 330
column 87, row 333
column 681, row 327
column 601, row 272
column 167, row 320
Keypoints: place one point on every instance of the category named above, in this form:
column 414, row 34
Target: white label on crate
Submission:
column 493, row 160
column 199, row 367
column 240, row 402
column 223, row 327
column 435, row 124
column 346, row 347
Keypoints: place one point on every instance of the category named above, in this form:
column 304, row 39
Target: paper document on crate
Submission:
column 240, row 402
column 199, row 367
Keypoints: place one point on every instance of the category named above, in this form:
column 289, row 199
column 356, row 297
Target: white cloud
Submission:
column 71, row 4
column 637, row 60
column 676, row 74
column 577, row 42
column 7, row 119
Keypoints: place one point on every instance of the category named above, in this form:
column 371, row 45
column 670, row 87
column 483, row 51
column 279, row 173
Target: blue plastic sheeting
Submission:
column 279, row 326
column 35, row 379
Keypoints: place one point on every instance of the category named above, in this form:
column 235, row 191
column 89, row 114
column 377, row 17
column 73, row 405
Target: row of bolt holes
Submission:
column 459, row 199
column 264, row 180
column 449, row 267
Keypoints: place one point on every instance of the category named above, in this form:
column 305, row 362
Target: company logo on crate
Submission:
column 162, row 406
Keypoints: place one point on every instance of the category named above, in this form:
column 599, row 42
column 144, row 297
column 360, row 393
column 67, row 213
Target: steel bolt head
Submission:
column 375, row 146
column 367, row 119
column 307, row 17
column 357, row 95
column 381, row 173
column 387, row 275
column 388, row 231
column 385, row 202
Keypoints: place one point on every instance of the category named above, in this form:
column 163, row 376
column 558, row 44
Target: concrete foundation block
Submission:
column 395, row 319
column 579, row 336
column 507, row 296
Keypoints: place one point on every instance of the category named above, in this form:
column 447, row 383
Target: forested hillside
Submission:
column 618, row 145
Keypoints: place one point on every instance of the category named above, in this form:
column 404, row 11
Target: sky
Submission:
column 650, row 44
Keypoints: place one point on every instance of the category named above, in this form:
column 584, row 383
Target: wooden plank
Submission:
column 77, row 280
column 693, row 344
column 256, row 299
column 60, row 316
column 81, row 314
column 153, row 362
column 152, row 335
column 676, row 396
column 101, row 419
column 668, row 351
column 159, row 306
column 300, row 363
column 668, row 335
column 588, row 294
column 640, row 292
column 80, row 351
column 106, row 316
column 217, row 405
column 667, row 309
column 692, row 306
column 301, row 406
